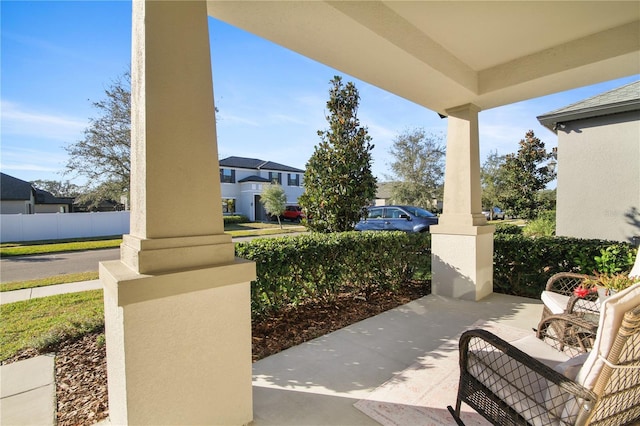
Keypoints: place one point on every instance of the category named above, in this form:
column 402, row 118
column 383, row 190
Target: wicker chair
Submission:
column 569, row 322
column 516, row 386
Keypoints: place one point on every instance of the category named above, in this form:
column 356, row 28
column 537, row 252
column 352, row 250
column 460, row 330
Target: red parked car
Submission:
column 293, row 213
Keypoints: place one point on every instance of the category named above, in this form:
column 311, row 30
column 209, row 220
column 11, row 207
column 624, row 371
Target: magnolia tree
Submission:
column 338, row 180
column 523, row 178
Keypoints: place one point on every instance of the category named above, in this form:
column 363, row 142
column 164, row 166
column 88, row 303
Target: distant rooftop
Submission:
column 622, row 99
column 256, row 164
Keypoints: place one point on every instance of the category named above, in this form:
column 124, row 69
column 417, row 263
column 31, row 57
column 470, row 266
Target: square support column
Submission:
column 177, row 303
column 462, row 242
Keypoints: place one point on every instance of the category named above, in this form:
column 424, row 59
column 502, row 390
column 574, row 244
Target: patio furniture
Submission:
column 528, row 383
column 569, row 321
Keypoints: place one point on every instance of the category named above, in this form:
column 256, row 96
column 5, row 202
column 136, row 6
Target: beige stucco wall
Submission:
column 599, row 177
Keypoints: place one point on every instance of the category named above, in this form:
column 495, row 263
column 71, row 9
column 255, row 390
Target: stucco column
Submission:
column 462, row 242
column 177, row 304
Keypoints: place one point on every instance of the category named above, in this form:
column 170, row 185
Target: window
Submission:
column 293, row 179
column 393, row 213
column 228, row 205
column 274, row 176
column 227, row 176
column 375, row 213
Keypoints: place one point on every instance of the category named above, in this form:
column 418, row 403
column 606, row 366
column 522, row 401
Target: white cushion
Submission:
column 571, row 367
column 557, row 303
column 555, row 399
column 513, row 388
column 540, row 350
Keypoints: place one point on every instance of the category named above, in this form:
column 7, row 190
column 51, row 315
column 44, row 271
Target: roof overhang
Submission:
column 442, row 54
column 551, row 121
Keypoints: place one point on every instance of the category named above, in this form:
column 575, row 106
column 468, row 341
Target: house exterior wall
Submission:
column 15, row 207
column 244, row 193
column 598, row 194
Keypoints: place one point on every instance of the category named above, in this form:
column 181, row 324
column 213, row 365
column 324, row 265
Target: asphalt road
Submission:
column 22, row 268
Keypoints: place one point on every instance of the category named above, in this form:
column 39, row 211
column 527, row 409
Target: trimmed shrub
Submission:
column 522, row 265
column 237, row 218
column 293, row 269
column 508, row 229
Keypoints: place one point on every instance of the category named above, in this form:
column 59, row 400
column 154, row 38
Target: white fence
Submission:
column 55, row 226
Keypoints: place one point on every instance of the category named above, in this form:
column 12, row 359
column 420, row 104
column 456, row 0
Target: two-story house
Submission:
column 242, row 180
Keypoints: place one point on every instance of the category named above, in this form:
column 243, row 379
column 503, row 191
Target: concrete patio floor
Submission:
column 318, row 382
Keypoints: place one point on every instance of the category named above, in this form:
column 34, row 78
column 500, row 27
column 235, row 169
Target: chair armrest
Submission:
column 569, row 333
column 501, row 382
column 565, row 282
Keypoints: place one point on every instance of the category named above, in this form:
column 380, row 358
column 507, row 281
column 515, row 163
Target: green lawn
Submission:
column 41, row 247
column 43, row 322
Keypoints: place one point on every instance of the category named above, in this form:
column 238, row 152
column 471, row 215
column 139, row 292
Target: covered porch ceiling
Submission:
column 442, row 54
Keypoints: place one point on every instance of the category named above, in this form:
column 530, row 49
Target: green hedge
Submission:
column 522, row 265
column 236, row 218
column 292, row 269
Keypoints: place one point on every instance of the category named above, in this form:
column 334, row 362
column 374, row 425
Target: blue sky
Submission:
column 58, row 57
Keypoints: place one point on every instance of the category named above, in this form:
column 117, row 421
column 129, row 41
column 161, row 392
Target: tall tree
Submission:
column 58, row 188
column 490, row 178
column 418, row 168
column 274, row 200
column 103, row 155
column 525, row 174
column 338, row 180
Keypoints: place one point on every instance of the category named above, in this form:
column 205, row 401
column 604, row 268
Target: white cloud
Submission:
column 20, row 121
column 229, row 119
column 29, row 167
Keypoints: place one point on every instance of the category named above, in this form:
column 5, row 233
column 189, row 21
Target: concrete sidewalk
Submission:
column 32, row 293
column 28, row 392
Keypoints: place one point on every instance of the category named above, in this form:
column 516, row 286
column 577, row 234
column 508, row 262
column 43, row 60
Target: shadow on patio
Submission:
column 318, row 383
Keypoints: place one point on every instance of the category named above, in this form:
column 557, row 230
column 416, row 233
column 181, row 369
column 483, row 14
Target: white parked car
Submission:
column 498, row 214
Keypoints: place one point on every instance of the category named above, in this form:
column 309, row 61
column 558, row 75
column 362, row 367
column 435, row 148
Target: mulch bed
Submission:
column 81, row 368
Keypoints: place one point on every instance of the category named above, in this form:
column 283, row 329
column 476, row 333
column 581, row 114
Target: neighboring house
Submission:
column 384, row 197
column 598, row 193
column 242, row 180
column 383, row 194
column 20, row 197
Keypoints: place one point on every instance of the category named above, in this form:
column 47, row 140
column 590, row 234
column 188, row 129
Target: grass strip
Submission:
column 55, row 280
column 24, row 249
column 44, row 247
column 45, row 322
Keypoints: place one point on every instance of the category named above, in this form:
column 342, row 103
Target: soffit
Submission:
column 444, row 54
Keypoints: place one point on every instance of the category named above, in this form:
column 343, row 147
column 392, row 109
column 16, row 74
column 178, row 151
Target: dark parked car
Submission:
column 397, row 218
column 498, row 214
